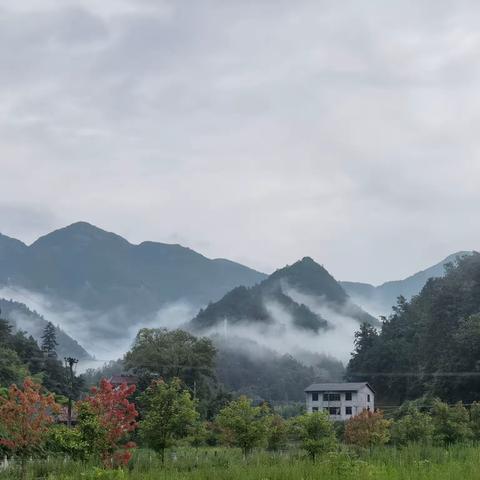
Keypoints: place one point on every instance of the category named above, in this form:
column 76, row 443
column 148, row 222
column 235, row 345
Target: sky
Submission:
column 260, row 131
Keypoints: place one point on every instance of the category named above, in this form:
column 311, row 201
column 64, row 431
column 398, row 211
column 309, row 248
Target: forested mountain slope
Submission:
column 292, row 290
column 24, row 319
column 428, row 345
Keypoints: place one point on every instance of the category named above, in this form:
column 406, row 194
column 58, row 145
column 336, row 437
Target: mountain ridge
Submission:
column 251, row 305
column 385, row 295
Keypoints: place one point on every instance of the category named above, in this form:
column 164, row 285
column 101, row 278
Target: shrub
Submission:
column 475, row 420
column 413, row 426
column 276, row 433
column 451, row 424
column 367, row 429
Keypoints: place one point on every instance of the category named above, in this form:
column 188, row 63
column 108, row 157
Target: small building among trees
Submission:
column 341, row 400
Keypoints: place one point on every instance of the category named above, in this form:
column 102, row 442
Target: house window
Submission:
column 348, row 396
column 368, row 397
column 314, row 409
column 315, row 397
column 334, row 410
column 331, row 397
column 348, row 410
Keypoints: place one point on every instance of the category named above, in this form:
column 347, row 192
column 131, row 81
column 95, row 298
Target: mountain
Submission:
column 297, row 293
column 428, row 346
column 22, row 318
column 380, row 299
column 100, row 271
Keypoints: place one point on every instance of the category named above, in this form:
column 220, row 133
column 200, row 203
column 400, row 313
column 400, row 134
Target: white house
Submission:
column 340, row 400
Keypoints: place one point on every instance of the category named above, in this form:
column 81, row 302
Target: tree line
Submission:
column 428, row 346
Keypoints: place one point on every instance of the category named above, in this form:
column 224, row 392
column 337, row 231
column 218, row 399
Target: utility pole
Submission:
column 70, row 362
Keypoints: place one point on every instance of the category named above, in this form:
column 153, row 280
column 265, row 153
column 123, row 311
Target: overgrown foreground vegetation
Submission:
column 412, row 462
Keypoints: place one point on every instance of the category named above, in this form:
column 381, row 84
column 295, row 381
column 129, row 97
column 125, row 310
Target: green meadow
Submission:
column 413, row 462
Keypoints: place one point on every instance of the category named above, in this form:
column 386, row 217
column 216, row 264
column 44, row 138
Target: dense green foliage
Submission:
column 168, row 354
column 21, row 356
column 84, row 441
column 244, row 425
column 428, row 345
column 49, row 340
column 413, row 426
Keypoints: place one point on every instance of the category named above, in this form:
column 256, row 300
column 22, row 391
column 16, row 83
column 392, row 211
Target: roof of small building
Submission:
column 338, row 387
column 120, row 379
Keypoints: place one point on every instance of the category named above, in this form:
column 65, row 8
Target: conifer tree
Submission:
column 49, row 340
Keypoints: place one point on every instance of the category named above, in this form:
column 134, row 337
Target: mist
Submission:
column 105, row 335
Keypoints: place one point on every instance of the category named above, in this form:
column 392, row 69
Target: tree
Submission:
column 316, row 433
column 5, row 331
column 412, row 426
column 437, row 331
column 25, row 415
column 169, row 414
column 12, row 369
column 367, row 429
column 276, row 433
column 172, row 354
column 49, row 340
column 451, row 424
column 117, row 416
column 244, row 425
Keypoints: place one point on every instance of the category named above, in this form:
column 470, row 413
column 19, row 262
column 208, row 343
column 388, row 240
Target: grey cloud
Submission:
column 259, row 131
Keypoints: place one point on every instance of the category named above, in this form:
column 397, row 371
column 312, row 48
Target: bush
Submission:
column 413, row 426
column 277, row 433
column 367, row 429
column 475, row 420
column 451, row 424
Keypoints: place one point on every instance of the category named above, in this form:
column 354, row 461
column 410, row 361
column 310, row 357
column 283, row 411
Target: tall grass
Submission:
column 414, row 462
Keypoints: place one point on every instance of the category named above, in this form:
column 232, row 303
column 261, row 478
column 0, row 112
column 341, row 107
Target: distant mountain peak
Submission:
column 305, row 277
column 78, row 232
column 311, row 278
column 382, row 297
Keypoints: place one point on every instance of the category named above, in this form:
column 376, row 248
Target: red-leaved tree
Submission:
column 117, row 415
column 25, row 415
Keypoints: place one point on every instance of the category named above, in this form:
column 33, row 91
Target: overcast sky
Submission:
column 260, row 131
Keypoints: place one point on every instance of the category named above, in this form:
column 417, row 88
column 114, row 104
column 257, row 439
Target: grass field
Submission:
column 412, row 462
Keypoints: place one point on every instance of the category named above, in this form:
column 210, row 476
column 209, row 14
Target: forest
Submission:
column 428, row 346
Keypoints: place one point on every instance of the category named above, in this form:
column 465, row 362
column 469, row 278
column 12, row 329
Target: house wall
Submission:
column 358, row 403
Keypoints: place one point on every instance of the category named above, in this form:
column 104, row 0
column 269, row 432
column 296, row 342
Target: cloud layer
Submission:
column 260, row 131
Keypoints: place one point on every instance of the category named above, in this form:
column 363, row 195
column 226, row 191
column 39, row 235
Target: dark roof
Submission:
column 337, row 387
column 121, row 379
